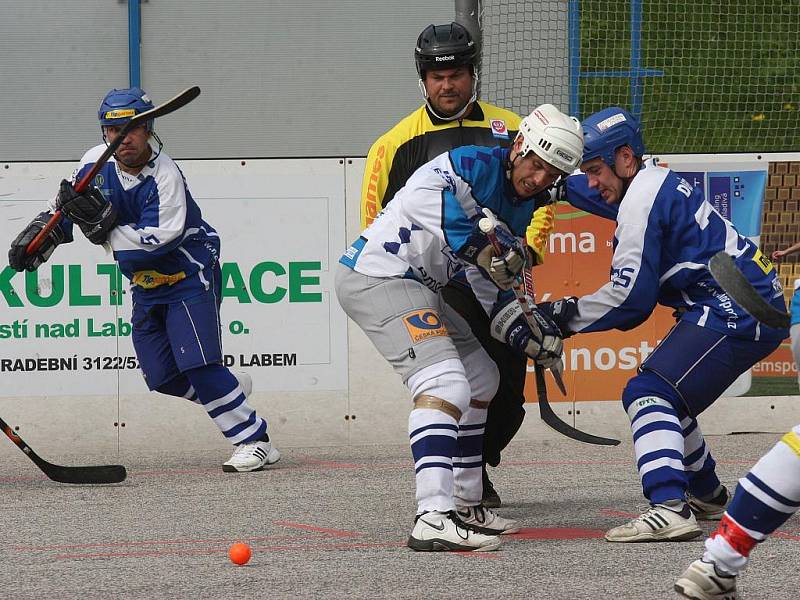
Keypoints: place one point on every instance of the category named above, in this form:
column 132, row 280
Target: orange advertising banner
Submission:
column 598, row 365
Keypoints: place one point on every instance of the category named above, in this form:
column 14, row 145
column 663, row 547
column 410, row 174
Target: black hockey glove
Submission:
column 542, row 342
column 19, row 259
column 95, row 215
column 561, row 312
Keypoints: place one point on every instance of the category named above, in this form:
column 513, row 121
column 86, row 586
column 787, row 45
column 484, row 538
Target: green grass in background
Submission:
column 731, row 72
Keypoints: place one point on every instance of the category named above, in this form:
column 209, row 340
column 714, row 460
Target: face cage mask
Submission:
column 460, row 113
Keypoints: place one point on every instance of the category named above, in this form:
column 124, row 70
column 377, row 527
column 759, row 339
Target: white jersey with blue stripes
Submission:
column 161, row 242
column 421, row 231
column 666, row 233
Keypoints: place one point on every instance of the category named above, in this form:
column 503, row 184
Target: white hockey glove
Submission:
column 503, row 270
column 541, row 342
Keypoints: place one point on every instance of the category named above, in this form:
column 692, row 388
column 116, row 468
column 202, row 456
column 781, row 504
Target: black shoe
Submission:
column 490, row 498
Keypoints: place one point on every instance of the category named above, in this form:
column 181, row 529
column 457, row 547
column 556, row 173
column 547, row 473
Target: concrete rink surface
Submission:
column 332, row 522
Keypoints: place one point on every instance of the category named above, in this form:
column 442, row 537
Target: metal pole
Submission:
column 636, row 58
column 468, row 15
column 574, row 27
column 134, row 43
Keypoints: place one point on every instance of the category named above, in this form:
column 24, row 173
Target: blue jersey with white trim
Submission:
column 161, row 242
column 419, row 233
column 666, row 233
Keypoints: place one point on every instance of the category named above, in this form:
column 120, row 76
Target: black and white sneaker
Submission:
column 709, row 510
column 486, row 521
column 437, row 531
column 704, row 581
column 658, row 524
column 252, row 456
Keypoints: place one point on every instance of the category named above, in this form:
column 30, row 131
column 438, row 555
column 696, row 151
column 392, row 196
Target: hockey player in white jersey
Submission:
column 665, row 235
column 389, row 283
column 140, row 206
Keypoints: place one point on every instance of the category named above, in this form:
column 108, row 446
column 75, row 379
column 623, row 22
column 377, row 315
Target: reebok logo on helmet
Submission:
column 444, row 58
column 567, row 157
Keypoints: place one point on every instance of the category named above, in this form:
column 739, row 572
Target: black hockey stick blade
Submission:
column 735, row 284
column 550, row 418
column 77, row 475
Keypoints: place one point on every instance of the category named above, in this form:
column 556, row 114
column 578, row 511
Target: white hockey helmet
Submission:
column 555, row 137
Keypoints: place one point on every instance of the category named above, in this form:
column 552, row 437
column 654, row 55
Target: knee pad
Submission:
column 647, row 386
column 482, row 374
column 445, row 381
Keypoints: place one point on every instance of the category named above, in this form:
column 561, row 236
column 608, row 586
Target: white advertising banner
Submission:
column 65, row 329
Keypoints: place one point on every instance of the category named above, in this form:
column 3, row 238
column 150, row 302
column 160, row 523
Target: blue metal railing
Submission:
column 635, row 74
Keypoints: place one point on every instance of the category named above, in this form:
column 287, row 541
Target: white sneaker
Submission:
column 245, row 381
column 252, row 456
column 711, row 510
column 486, row 521
column 439, row 531
column 657, row 524
column 703, row 581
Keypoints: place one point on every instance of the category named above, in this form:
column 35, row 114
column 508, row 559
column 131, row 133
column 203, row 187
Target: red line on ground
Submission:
column 331, row 464
column 558, row 533
column 525, row 463
column 786, row 536
column 610, row 512
column 332, row 532
column 224, row 550
column 166, row 542
column 472, row 554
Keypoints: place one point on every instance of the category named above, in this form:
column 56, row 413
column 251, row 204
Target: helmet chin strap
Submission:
column 460, row 113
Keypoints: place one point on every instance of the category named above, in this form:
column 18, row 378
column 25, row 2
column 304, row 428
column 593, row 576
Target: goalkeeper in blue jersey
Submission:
column 665, row 235
column 142, row 209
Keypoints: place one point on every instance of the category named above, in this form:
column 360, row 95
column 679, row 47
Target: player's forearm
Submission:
column 789, row 250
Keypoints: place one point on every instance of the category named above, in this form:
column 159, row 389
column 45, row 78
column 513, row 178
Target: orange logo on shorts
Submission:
column 423, row 324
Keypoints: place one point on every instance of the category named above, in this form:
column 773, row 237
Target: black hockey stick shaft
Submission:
column 487, row 225
column 167, row 107
column 734, row 283
column 93, row 474
column 551, row 418
column 546, row 412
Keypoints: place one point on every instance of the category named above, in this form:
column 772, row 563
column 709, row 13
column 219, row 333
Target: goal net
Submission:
column 707, row 77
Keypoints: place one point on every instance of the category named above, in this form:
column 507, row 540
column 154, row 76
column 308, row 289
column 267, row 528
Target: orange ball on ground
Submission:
column 240, row 553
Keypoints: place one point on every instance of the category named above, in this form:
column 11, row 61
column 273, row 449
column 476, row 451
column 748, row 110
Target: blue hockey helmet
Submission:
column 120, row 106
column 606, row 131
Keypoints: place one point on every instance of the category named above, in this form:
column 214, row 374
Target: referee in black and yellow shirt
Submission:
column 452, row 116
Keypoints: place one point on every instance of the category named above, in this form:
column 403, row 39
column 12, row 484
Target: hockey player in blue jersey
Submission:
column 765, row 499
column 390, row 280
column 142, row 209
column 665, row 235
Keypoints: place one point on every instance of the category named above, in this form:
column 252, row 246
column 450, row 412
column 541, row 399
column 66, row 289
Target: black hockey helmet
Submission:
column 444, row 47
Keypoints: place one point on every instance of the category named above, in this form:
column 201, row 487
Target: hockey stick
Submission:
column 98, row 474
column 487, row 226
column 735, row 284
column 550, row 418
column 169, row 106
column 524, row 297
